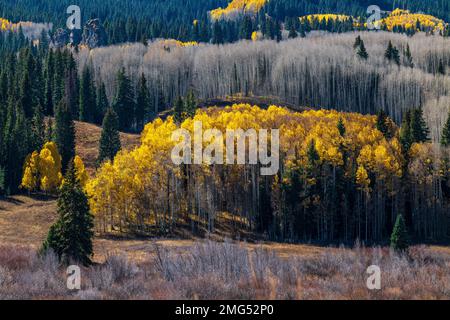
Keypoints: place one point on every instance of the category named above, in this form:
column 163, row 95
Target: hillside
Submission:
column 87, row 138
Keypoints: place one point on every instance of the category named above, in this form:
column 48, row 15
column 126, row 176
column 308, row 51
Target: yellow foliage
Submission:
column 171, row 43
column 6, row 25
column 244, row 6
column 30, row 179
column 80, row 171
column 124, row 188
column 49, row 170
column 408, row 20
column 326, row 17
column 362, row 178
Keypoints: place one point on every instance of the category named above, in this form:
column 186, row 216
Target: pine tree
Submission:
column 357, row 42
column 408, row 58
column 292, row 30
column 64, row 134
column 48, row 79
column 341, row 127
column 419, row 129
column 87, row 96
column 217, row 33
column 362, row 53
column 178, row 110
column 110, row 138
column 190, row 104
column 399, row 237
column 445, row 138
column 124, row 101
column 38, row 129
column 382, row 124
column 441, row 67
column 70, row 237
column 143, row 103
column 102, row 99
column 406, row 137
column 391, row 53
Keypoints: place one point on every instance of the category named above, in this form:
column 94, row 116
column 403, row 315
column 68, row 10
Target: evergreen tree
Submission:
column 362, row 53
column 246, row 28
column 71, row 236
column 143, row 103
column 341, row 127
column 445, row 138
column 217, row 37
column 399, row 237
column 406, row 137
column 124, row 101
column 110, row 138
column 178, row 110
column 408, row 58
column 25, row 95
column 391, row 53
column 190, row 104
column 292, row 31
column 357, row 42
column 441, row 67
column 87, row 96
column 64, row 134
column 382, row 124
column 102, row 99
column 48, row 79
column 419, row 129
column 38, row 129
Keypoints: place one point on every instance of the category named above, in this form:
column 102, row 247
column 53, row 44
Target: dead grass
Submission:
column 87, row 138
column 230, row 270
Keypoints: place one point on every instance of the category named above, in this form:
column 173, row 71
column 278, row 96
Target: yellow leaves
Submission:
column 80, row 171
column 362, row 178
column 5, row 25
column 408, row 20
column 29, row 179
column 324, row 17
column 120, row 187
column 256, row 36
column 238, row 6
column 42, row 170
column 50, row 168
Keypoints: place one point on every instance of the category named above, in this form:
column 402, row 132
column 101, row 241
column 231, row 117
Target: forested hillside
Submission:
column 136, row 20
column 343, row 176
column 322, row 71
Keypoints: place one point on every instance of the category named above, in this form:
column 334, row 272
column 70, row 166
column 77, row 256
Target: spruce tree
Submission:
column 408, row 58
column 419, row 129
column 445, row 138
column 292, row 30
column 70, row 237
column 178, row 110
column 441, row 67
column 382, row 124
column 64, row 134
column 362, row 53
column 357, row 42
column 87, row 96
column 38, row 129
column 399, row 236
column 190, row 104
column 110, row 138
column 406, row 138
column 143, row 103
column 391, row 54
column 124, row 101
column 102, row 99
column 341, row 127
